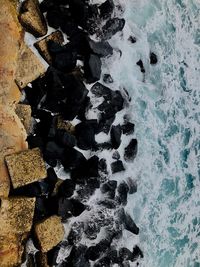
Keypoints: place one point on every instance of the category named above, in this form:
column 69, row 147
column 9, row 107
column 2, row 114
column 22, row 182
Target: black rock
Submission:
column 111, row 27
column 112, row 255
column 65, row 61
column 92, row 229
column 107, row 111
column 116, row 155
column 79, row 11
column 137, row 253
column 103, row 262
column 64, row 138
column 107, row 78
column 30, row 190
column 75, row 235
column 131, row 150
column 140, row 64
column 132, row 39
column 106, row 121
column 78, row 207
column 42, row 128
column 72, row 158
column 103, row 165
column 106, row 9
column 52, row 255
column 85, row 134
column 108, row 203
column 35, row 141
column 115, row 135
column 65, row 208
column 66, row 189
column 153, row 58
column 117, row 166
column 128, row 128
column 129, row 224
column 125, row 254
column 86, row 105
column 77, row 257
column 132, row 186
column 45, row 207
column 94, row 252
column 78, row 40
column 102, row 48
column 104, row 146
column 123, row 190
column 53, row 151
column 100, row 90
column 109, row 188
column 71, row 29
column 92, row 66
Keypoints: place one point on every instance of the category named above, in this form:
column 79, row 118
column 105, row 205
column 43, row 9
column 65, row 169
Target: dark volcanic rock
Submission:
column 109, row 188
column 72, row 158
column 137, row 252
column 92, row 66
column 115, row 135
column 128, row 128
column 104, row 261
column 140, row 64
column 45, row 207
column 132, row 186
column 106, row 9
column 76, row 233
column 65, row 207
column 92, row 229
column 129, row 224
column 117, row 166
column 153, row 58
column 125, row 254
column 132, row 39
column 66, row 189
column 102, row 48
column 85, row 133
column 100, row 90
column 111, row 27
column 123, row 190
column 78, row 207
column 116, row 155
column 131, row 150
column 65, row 139
column 107, row 78
column 77, row 257
column 108, row 203
column 94, row 252
column 53, row 151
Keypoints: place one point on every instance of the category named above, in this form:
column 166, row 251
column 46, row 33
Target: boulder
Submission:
column 65, row 139
column 92, row 67
column 137, row 253
column 116, row 155
column 115, row 136
column 66, row 188
column 111, row 27
column 132, row 186
column 49, row 233
column 107, row 78
column 72, row 158
column 153, row 58
column 109, row 188
column 123, row 190
column 128, row 128
column 129, row 224
column 42, row 45
column 101, row 48
column 29, row 67
column 131, row 150
column 91, row 229
column 106, row 9
column 32, row 19
column 26, row 167
column 24, row 113
column 132, row 39
column 99, row 90
column 94, row 252
column 140, row 64
column 75, row 234
column 117, row 166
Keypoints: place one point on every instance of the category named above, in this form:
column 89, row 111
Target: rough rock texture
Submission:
column 49, row 233
column 24, row 113
column 30, row 67
column 32, row 19
column 16, row 216
column 42, row 45
column 26, row 167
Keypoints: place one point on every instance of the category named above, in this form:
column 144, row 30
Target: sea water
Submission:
column 166, row 110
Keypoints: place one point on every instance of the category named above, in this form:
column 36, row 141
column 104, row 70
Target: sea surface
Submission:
column 166, row 111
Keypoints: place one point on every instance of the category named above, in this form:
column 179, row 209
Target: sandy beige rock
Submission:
column 24, row 113
column 16, row 216
column 26, row 167
column 29, row 67
column 32, row 19
column 42, row 45
column 49, row 233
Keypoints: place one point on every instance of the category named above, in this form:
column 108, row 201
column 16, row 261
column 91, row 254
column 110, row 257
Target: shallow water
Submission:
column 166, row 111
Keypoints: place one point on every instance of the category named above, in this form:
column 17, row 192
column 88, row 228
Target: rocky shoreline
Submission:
column 80, row 141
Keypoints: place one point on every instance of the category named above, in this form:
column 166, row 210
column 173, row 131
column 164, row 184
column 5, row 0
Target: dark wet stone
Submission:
column 131, row 150
column 105, row 145
column 75, row 234
column 71, row 29
column 66, row 189
column 123, row 190
column 115, row 135
column 103, row 165
column 72, row 158
column 132, row 39
column 65, row 139
column 128, row 128
column 65, row 208
column 111, row 27
column 104, row 123
column 92, row 66
column 86, row 105
column 35, row 141
column 52, row 255
column 53, row 151
column 129, row 224
column 102, row 48
column 45, row 207
column 132, row 186
column 78, row 207
column 42, row 128
column 107, row 78
column 103, row 262
column 117, row 166
column 112, row 255
column 140, row 64
column 153, row 58
column 79, row 41
column 56, row 15
column 106, row 9
column 125, row 254
column 94, row 252
column 100, row 90
column 85, row 134
column 77, row 257
column 109, row 188
column 30, row 190
column 137, row 253
column 92, row 229
column 79, row 11
column 116, row 155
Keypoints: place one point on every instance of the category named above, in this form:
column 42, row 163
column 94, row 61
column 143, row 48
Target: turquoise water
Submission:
column 166, row 111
